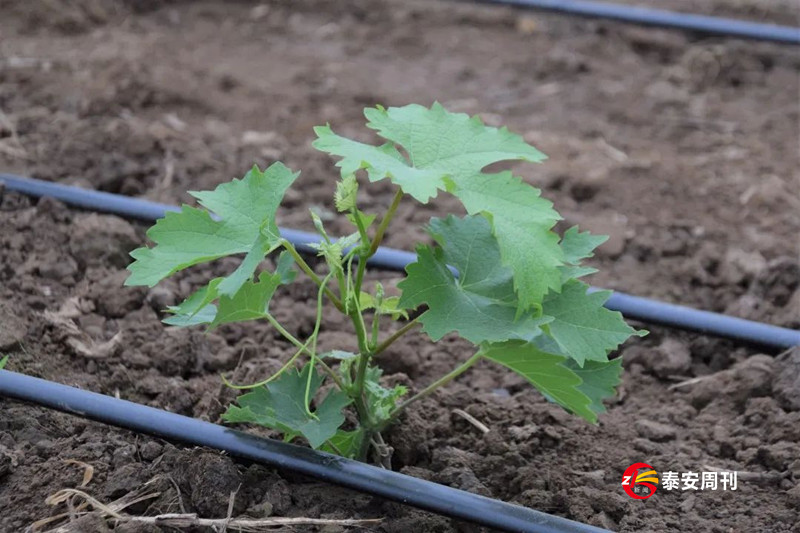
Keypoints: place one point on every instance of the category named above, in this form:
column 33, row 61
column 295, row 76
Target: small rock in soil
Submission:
column 655, row 431
column 13, row 329
column 134, row 527
column 740, row 266
column 413, row 520
column 688, row 504
column 124, row 455
column 58, row 267
column 748, row 379
column 90, row 523
column 751, row 378
column 92, row 324
column 210, row 480
column 748, row 306
column 150, row 450
column 112, row 298
column 778, row 282
column 102, row 239
column 586, row 186
column 160, row 297
column 794, row 496
column 124, row 480
column 177, row 399
column 409, row 439
column 268, row 488
column 584, row 502
column 789, row 317
column 645, row 446
column 786, row 387
column 776, row 457
column 523, row 433
column 664, row 93
column 670, row 358
column 402, row 360
column 463, row 478
column 601, row 519
column 6, row 464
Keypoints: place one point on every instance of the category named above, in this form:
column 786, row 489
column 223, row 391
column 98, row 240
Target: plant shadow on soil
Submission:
column 682, row 149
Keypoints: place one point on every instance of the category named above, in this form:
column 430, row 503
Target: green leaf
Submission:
column 280, row 405
column 569, row 272
column 521, row 221
column 250, row 303
column 366, row 219
column 197, row 308
column 333, row 251
column 244, row 272
column 246, row 211
column 339, row 355
column 346, row 192
column 546, row 372
column 389, row 305
column 480, row 304
column 582, row 327
column 3, row 362
column 448, row 151
column 347, row 443
column 284, row 267
column 600, row 380
column 578, row 246
column 380, row 400
column 204, row 315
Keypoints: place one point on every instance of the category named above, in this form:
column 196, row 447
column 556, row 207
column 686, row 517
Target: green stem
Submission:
column 362, row 266
column 274, row 376
column 349, row 292
column 396, row 335
column 301, row 347
column 364, row 353
column 313, row 361
column 385, row 222
column 288, row 336
column 363, row 451
column 361, row 372
column 444, row 380
column 335, row 448
column 376, row 241
column 376, row 322
column 362, row 231
column 340, row 279
column 310, row 273
column 331, row 373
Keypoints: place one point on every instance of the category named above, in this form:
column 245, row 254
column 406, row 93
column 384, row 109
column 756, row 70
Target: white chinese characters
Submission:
column 699, row 481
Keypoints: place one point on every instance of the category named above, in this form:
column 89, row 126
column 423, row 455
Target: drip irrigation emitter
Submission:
column 646, row 310
column 724, row 27
column 387, row 484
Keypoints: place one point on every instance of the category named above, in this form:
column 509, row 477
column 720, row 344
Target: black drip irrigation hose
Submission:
column 387, row 484
column 663, row 19
column 633, row 307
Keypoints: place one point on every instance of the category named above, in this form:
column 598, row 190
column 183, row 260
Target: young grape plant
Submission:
column 499, row 277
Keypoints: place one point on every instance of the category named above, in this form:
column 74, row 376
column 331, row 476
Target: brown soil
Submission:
column 684, row 149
